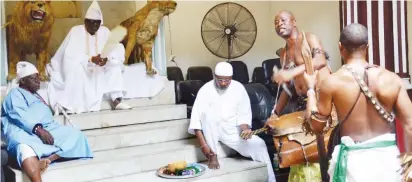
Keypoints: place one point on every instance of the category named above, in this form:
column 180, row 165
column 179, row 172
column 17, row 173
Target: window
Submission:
column 387, row 30
column 159, row 51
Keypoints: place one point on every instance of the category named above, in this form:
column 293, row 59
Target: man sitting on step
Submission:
column 222, row 112
column 80, row 77
column 31, row 134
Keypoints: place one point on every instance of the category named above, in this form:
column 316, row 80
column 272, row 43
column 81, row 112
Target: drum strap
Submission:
column 366, row 91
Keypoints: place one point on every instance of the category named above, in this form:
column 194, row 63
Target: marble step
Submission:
column 231, row 169
column 138, row 134
column 125, row 161
column 164, row 97
column 110, row 118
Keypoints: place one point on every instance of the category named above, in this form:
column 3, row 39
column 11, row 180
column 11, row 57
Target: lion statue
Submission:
column 142, row 31
column 28, row 32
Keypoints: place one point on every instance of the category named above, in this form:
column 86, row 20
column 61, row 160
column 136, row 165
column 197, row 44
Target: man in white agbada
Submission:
column 222, row 112
column 79, row 75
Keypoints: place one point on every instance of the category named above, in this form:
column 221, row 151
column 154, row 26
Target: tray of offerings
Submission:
column 181, row 170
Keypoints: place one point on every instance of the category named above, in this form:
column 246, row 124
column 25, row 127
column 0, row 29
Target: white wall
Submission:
column 187, row 42
column 188, row 46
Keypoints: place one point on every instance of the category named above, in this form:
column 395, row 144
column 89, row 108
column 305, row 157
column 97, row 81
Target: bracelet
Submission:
column 36, row 128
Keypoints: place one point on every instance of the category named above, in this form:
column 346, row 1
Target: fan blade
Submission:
column 215, row 23
column 221, row 43
column 238, row 46
column 211, row 30
column 247, row 31
column 243, row 39
column 227, row 14
column 221, row 35
column 243, row 22
column 237, row 14
column 220, row 17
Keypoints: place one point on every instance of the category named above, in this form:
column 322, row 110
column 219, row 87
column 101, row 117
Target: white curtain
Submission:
column 3, row 46
column 159, row 51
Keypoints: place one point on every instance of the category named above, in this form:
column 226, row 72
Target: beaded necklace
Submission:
column 88, row 44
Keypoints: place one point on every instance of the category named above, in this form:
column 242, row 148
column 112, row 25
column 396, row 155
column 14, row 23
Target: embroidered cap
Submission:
column 94, row 12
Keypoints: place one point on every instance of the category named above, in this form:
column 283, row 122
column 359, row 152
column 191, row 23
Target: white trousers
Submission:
column 375, row 164
column 229, row 135
column 25, row 152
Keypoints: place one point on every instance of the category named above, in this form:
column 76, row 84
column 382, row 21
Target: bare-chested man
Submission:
column 292, row 70
column 364, row 96
column 292, row 60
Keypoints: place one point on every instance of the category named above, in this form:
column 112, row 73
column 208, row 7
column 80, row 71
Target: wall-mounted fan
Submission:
column 228, row 30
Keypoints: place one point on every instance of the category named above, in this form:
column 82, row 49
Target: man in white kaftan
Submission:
column 222, row 112
column 79, row 76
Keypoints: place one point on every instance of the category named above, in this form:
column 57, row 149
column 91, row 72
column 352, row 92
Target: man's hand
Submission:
column 45, row 136
column 98, row 60
column 246, row 134
column 103, row 62
column 282, row 76
column 310, row 80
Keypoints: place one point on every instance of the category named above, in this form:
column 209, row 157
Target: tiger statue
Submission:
column 142, row 31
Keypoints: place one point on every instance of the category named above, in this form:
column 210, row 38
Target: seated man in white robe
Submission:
column 222, row 112
column 31, row 134
column 80, row 77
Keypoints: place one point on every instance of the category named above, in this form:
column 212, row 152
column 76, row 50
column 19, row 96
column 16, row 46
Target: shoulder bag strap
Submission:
column 378, row 106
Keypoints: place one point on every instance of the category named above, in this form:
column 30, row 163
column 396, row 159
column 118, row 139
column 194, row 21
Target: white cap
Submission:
column 94, row 12
column 24, row 69
column 223, row 69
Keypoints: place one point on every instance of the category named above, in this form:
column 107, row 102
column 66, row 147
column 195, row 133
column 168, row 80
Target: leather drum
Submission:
column 292, row 144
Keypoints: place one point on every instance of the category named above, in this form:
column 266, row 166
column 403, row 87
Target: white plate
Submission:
column 202, row 171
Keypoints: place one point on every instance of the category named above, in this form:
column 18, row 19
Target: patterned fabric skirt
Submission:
column 305, row 173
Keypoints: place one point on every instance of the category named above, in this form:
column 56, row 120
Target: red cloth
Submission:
column 399, row 136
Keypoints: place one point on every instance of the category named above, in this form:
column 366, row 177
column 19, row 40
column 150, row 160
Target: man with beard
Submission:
column 32, row 136
column 222, row 112
column 367, row 99
column 291, row 73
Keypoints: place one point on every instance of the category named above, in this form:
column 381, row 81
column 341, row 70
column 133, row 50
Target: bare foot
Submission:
column 213, row 163
column 44, row 164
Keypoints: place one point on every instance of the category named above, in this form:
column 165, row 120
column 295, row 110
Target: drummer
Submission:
column 293, row 68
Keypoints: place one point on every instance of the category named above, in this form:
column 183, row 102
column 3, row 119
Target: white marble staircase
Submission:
column 130, row 145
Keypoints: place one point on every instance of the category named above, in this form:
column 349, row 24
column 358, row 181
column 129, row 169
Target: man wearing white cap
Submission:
column 31, row 134
column 80, row 76
column 222, row 112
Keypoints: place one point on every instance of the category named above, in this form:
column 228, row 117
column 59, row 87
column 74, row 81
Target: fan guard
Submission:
column 228, row 30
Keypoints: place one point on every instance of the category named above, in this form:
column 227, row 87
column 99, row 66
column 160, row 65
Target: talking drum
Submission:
column 293, row 145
